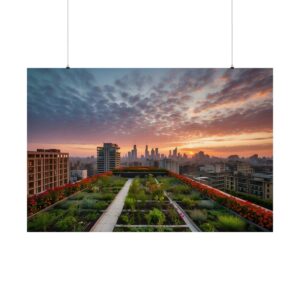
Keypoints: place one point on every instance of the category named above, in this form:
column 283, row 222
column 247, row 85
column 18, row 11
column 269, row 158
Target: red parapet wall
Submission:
column 253, row 212
column 40, row 201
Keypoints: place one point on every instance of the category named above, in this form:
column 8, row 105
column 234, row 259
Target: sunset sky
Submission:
column 219, row 111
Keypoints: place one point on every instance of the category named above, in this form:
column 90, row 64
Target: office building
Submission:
column 108, row 157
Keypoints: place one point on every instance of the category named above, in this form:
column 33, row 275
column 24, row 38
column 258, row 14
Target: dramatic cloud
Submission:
column 159, row 107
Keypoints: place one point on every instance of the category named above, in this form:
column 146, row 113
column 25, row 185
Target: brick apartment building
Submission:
column 46, row 168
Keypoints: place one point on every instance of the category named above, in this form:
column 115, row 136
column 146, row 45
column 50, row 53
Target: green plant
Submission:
column 88, row 204
column 173, row 215
column 108, row 196
column 189, row 203
column 181, row 189
column 135, row 186
column 130, row 203
column 67, row 224
column 92, row 216
column 231, row 223
column 207, row 227
column 73, row 209
column 198, row 215
column 40, row 222
column 195, row 196
column 100, row 205
column 141, row 196
column 95, row 189
column 125, row 219
column 155, row 217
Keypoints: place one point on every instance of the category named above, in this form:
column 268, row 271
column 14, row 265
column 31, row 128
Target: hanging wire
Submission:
column 68, row 34
column 232, row 67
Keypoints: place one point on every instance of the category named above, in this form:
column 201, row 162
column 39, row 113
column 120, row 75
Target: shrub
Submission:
column 155, row 217
column 92, row 216
column 207, row 227
column 67, row 224
column 231, row 223
column 198, row 215
column 189, row 203
column 41, row 222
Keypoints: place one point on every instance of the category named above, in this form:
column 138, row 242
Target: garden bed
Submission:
column 80, row 211
column 147, row 209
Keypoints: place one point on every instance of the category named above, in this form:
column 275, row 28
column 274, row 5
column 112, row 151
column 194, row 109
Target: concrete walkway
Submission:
column 109, row 218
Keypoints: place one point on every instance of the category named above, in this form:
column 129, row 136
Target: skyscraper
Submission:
column 146, row 152
column 152, row 153
column 134, row 152
column 175, row 152
column 108, row 157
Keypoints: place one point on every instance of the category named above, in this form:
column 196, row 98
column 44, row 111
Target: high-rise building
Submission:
column 47, row 168
column 146, row 152
column 175, row 152
column 152, row 153
column 134, row 152
column 108, row 157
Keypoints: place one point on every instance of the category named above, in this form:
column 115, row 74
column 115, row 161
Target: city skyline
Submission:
column 218, row 111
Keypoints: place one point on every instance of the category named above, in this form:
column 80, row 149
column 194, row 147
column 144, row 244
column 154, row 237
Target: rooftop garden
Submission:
column 157, row 200
column 79, row 211
column 147, row 209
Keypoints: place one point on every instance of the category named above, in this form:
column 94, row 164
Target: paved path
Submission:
column 109, row 218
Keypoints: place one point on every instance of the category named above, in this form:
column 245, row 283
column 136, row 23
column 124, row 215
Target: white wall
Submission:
column 149, row 33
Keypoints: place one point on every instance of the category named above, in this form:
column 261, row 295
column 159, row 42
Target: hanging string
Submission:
column 68, row 34
column 232, row 67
